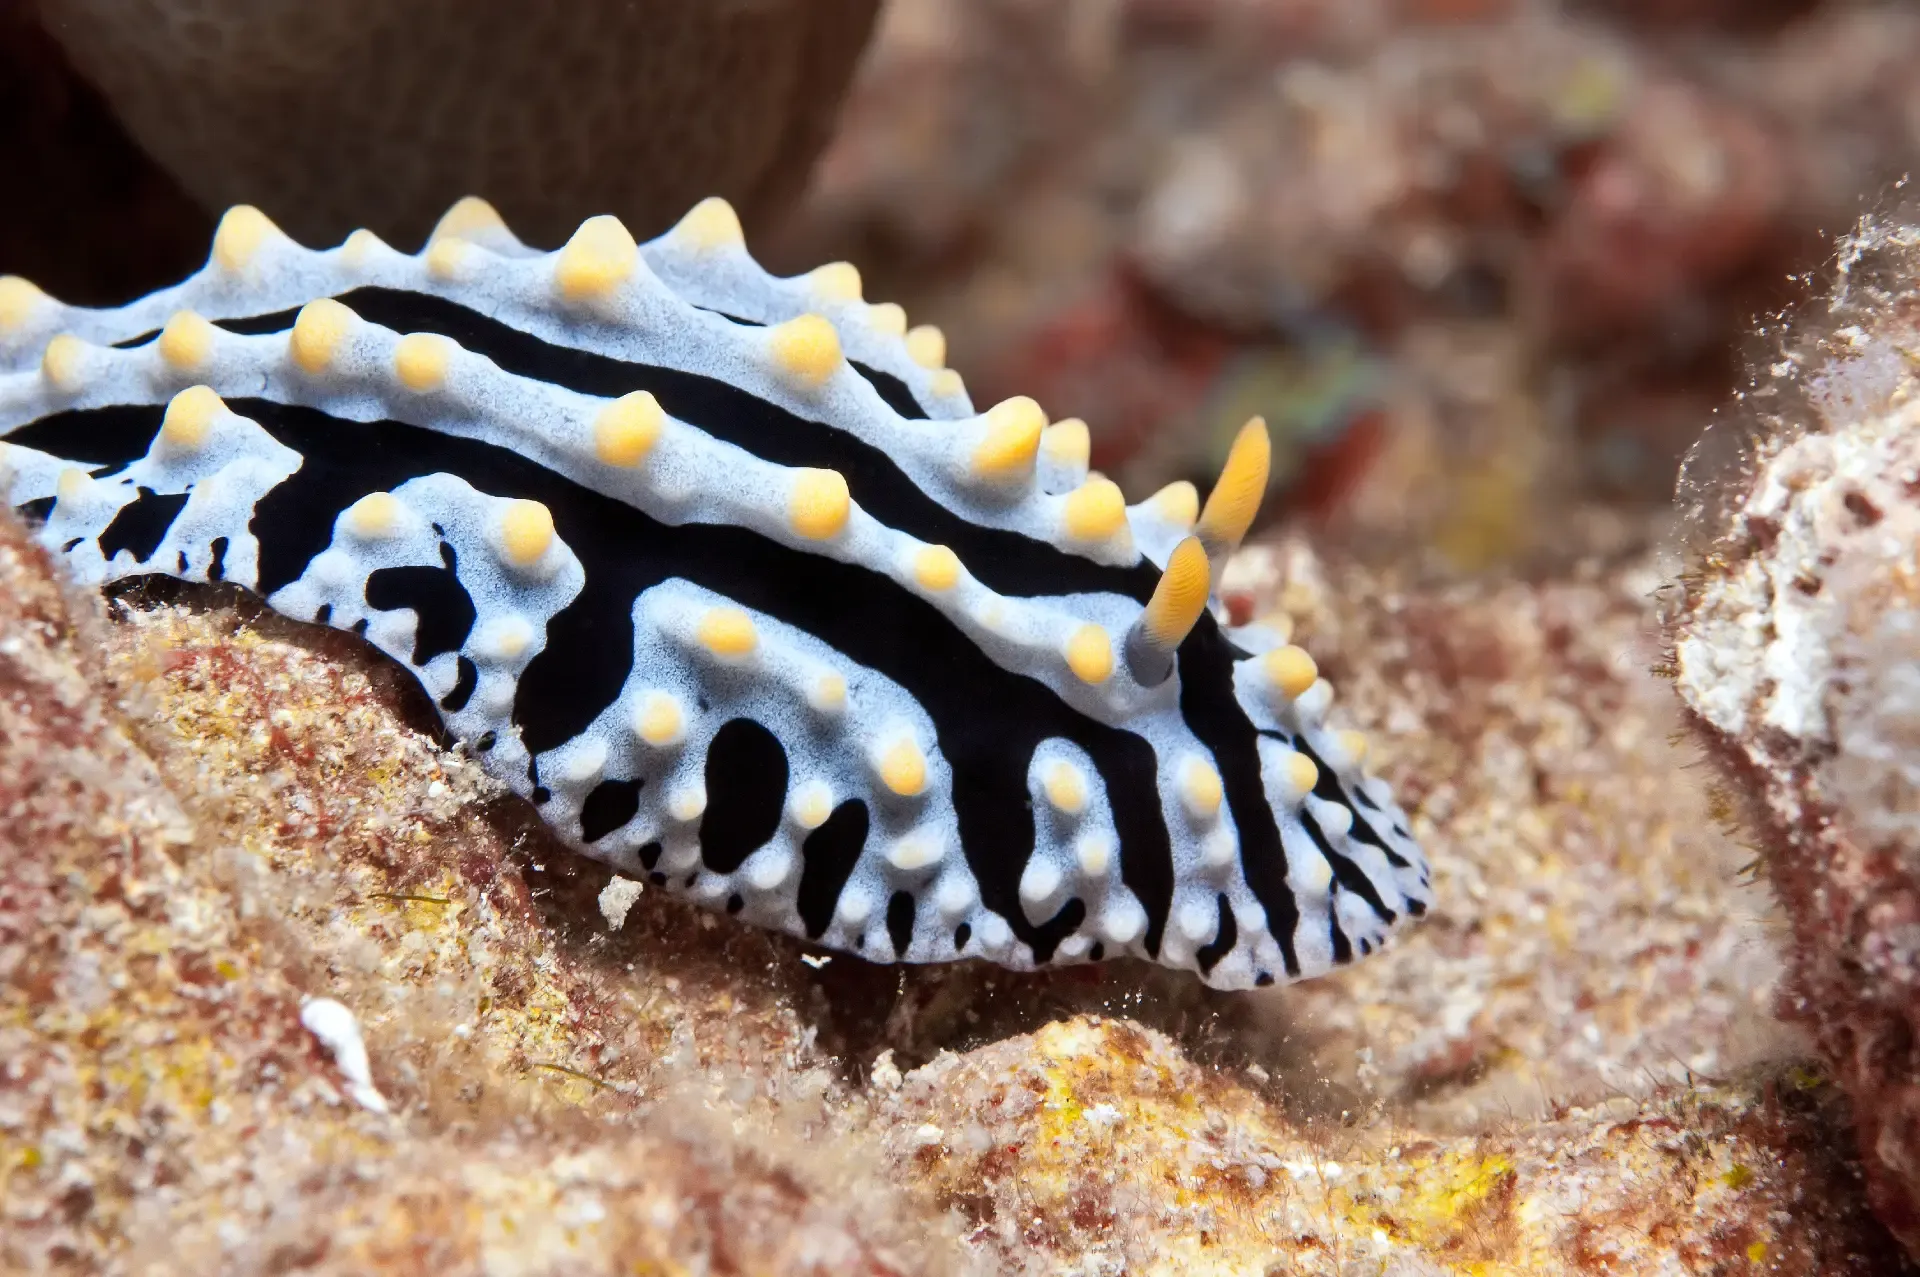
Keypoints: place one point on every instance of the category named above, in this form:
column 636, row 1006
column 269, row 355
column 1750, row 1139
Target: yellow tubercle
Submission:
column 1301, row 773
column 1012, row 439
column 503, row 639
column 936, row 568
column 820, row 504
column 927, row 346
column 708, row 225
column 1178, row 503
column 376, row 515
column 243, row 230
column 63, row 363
column 186, row 341
column 189, row 418
column 659, row 721
column 1094, row 852
column 471, row 218
column 1065, row 786
column 835, row 282
column 1200, row 789
column 1089, row 654
column 72, row 484
column 1179, row 597
column 317, row 333
column 598, row 259
column 688, row 802
column 1290, row 670
column 811, row 804
column 887, row 318
column 526, row 532
column 828, row 693
column 854, row 909
column 626, row 430
column 358, row 246
column 727, row 632
column 420, row 361
column 1095, row 511
column 806, row 348
column 19, row 298
column 1236, row 497
column 1314, row 875
column 1067, row 443
column 916, row 851
column 903, row 768
column 447, row 256
column 1355, row 746
column 947, row 384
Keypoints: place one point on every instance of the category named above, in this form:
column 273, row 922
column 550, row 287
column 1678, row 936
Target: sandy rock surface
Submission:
column 205, row 828
column 215, row 817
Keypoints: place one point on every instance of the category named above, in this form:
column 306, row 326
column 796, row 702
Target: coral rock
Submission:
column 381, row 115
column 1796, row 640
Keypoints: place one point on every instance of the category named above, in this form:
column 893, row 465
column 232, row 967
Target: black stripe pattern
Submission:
column 743, row 598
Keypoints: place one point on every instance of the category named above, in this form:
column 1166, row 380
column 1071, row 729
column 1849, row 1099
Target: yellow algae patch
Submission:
column 1445, row 1200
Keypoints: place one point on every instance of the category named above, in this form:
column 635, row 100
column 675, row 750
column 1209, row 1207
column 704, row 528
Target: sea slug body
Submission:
column 726, row 575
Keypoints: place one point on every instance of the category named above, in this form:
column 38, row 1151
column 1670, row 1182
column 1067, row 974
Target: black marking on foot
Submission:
column 466, row 677
column 900, row 921
column 1328, row 787
column 828, row 857
column 141, row 525
column 1046, row 937
column 1212, row 710
column 610, row 805
column 1342, row 947
column 444, row 608
column 746, row 776
column 1208, row 955
column 1350, row 876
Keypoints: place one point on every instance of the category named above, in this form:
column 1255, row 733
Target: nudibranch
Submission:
column 724, row 573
